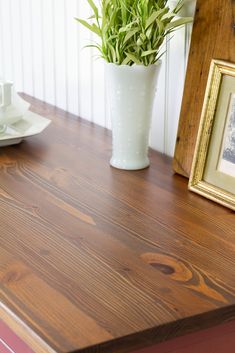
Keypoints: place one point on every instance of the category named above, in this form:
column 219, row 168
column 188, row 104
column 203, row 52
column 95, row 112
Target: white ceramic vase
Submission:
column 131, row 91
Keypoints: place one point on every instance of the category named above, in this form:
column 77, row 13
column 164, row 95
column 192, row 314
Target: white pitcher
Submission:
column 5, row 101
column 12, row 106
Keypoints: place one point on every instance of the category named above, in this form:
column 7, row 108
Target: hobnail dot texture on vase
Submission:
column 131, row 94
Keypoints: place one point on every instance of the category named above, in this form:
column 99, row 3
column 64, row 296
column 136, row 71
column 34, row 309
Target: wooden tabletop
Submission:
column 94, row 259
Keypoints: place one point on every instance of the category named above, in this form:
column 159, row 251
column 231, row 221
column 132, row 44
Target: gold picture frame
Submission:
column 213, row 169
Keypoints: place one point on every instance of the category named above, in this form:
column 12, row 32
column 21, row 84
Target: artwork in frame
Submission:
column 213, row 170
column 227, row 158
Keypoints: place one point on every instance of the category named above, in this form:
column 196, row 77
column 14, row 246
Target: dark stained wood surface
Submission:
column 213, row 38
column 94, row 259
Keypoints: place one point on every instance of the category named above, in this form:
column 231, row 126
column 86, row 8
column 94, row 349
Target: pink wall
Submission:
column 8, row 338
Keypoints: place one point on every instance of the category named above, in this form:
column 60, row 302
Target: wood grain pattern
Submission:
column 95, row 259
column 213, row 38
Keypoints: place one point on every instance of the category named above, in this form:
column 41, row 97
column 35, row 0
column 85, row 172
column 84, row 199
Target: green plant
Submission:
column 132, row 31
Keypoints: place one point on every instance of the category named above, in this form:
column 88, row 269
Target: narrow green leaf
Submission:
column 132, row 31
column 168, row 16
column 130, row 34
column 161, row 26
column 133, row 58
column 124, row 12
column 94, row 8
column 154, row 16
column 92, row 17
column 149, row 52
column 179, row 22
column 93, row 46
column 117, row 52
column 112, row 53
column 95, row 29
column 149, row 32
column 126, row 61
column 159, row 57
column 179, row 6
column 127, row 27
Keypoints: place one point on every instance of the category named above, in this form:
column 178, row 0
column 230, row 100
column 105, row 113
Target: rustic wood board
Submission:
column 213, row 38
column 94, row 259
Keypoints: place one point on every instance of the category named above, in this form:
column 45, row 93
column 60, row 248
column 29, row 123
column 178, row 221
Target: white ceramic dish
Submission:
column 31, row 124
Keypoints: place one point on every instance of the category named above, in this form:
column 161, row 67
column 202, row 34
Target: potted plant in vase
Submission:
column 131, row 34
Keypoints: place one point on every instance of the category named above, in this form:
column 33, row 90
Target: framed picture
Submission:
column 213, row 170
